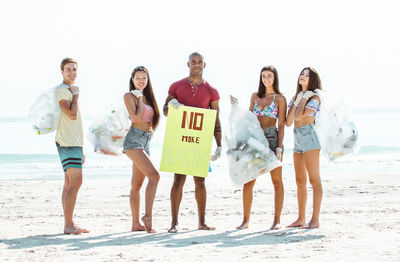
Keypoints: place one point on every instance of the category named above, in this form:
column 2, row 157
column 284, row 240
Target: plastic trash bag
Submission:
column 107, row 132
column 248, row 152
column 44, row 114
column 335, row 127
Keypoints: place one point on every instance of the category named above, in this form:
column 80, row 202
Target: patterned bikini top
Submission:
column 270, row 111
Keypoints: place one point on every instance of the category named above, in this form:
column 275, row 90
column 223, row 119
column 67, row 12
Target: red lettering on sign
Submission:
column 191, row 139
column 183, row 119
column 200, row 126
column 195, row 120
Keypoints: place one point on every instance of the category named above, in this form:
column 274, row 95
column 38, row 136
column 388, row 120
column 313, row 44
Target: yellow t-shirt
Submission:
column 69, row 132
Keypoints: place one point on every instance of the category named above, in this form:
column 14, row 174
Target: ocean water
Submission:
column 24, row 155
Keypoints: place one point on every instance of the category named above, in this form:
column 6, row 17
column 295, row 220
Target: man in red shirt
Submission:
column 196, row 92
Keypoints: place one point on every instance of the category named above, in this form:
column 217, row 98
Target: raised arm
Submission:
column 302, row 110
column 134, row 106
column 70, row 108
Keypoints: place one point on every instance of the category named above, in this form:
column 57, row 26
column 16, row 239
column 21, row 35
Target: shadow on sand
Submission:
column 231, row 238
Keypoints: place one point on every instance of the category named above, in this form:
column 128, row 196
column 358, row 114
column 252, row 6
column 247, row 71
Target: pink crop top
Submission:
column 148, row 113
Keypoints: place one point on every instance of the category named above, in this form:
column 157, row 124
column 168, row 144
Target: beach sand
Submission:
column 359, row 222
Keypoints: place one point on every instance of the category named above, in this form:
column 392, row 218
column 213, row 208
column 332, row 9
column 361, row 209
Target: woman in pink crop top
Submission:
column 302, row 111
column 143, row 111
column 270, row 107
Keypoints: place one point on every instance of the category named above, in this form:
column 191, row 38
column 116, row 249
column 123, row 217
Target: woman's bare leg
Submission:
column 247, row 202
column 134, row 197
column 312, row 164
column 276, row 177
column 143, row 163
column 301, row 182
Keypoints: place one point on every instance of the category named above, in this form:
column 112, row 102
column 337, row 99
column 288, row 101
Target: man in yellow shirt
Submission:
column 69, row 142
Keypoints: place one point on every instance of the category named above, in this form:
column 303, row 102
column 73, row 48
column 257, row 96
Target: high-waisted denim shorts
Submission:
column 137, row 138
column 271, row 133
column 305, row 139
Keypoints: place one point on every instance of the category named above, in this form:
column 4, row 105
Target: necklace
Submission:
column 194, row 85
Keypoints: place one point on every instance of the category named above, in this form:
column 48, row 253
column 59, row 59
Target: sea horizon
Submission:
column 25, row 155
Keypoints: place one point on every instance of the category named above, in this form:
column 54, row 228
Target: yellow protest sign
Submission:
column 187, row 141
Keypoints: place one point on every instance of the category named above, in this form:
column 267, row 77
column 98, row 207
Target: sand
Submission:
column 359, row 220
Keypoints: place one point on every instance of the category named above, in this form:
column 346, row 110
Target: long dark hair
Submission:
column 262, row 89
column 148, row 93
column 314, row 82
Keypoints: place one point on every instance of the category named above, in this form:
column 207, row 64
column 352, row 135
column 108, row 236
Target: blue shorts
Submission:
column 305, row 139
column 70, row 156
column 137, row 138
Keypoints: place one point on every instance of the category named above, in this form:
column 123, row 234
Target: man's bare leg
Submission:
column 176, row 198
column 69, row 200
column 65, row 188
column 201, row 199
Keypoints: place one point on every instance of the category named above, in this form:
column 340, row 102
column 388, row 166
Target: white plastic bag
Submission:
column 44, row 114
column 335, row 127
column 249, row 154
column 108, row 130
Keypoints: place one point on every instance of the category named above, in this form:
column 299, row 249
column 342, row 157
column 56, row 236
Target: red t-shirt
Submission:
column 186, row 94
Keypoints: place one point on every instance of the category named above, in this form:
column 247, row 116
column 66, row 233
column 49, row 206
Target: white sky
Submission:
column 355, row 46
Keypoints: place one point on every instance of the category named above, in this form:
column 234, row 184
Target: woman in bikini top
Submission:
column 302, row 111
column 144, row 114
column 269, row 105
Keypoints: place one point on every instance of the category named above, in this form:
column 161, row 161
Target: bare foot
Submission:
column 137, row 227
column 297, row 223
column 147, row 224
column 74, row 230
column 275, row 226
column 244, row 225
column 205, row 227
column 173, row 229
column 311, row 225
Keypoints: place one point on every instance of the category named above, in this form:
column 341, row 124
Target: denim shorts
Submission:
column 70, row 156
column 271, row 133
column 137, row 138
column 305, row 139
